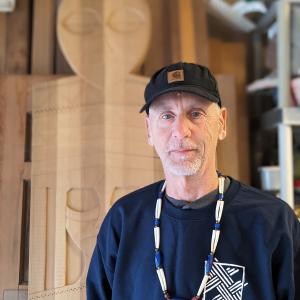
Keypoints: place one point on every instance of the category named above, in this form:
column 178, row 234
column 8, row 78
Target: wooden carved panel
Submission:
column 86, row 153
column 14, row 173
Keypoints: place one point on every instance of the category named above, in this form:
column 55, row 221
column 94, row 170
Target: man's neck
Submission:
column 193, row 187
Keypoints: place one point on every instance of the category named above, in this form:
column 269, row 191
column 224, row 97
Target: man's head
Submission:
column 184, row 119
column 182, row 77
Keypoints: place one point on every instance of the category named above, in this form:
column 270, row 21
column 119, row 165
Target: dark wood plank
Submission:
column 230, row 58
column 229, row 148
column 18, row 39
column 173, row 8
column 43, row 37
column 2, row 42
column 61, row 65
column 186, row 31
column 201, row 32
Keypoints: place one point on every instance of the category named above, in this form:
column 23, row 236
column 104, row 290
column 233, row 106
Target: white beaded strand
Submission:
column 158, row 208
column 221, row 184
column 156, row 237
column 203, row 284
column 162, row 278
column 214, row 239
column 219, row 210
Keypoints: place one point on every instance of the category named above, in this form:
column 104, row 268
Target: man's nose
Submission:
column 181, row 128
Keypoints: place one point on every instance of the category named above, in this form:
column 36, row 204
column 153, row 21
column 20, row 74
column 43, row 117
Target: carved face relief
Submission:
column 96, row 34
column 127, row 32
column 80, row 34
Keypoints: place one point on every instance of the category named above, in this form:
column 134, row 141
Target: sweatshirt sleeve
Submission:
column 297, row 263
column 100, row 276
column 98, row 286
column 286, row 259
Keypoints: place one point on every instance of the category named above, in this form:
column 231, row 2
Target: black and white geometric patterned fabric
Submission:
column 227, row 282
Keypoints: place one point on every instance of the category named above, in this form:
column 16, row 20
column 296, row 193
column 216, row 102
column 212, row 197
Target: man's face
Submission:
column 184, row 129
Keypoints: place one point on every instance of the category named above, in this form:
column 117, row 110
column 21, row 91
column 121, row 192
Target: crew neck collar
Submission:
column 200, row 202
column 202, row 213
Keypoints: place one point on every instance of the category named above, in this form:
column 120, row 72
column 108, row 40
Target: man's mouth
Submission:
column 182, row 151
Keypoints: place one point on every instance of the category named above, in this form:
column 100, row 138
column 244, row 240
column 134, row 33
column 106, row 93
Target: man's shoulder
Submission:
column 260, row 201
column 251, row 202
column 255, row 194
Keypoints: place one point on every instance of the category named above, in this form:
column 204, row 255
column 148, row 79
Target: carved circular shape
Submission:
column 82, row 22
column 126, row 19
column 82, row 200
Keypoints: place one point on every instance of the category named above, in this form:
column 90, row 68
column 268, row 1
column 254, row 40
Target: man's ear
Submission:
column 223, row 124
column 149, row 135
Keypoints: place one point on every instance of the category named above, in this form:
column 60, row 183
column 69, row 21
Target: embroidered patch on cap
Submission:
column 176, row 75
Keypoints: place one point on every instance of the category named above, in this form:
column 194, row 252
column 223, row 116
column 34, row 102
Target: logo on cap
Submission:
column 176, row 75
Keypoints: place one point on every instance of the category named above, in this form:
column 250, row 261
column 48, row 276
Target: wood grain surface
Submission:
column 14, row 93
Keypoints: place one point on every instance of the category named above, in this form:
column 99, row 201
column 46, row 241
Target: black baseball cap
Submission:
column 182, row 77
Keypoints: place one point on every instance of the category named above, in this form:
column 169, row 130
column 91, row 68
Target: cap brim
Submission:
column 191, row 89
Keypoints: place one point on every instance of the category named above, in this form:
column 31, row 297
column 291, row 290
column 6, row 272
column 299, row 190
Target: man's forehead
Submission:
column 173, row 99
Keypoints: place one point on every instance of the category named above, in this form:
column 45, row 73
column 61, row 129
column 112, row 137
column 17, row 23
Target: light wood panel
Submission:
column 13, row 107
column 86, row 154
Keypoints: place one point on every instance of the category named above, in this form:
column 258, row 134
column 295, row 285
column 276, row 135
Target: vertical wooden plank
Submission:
column 18, row 40
column 201, row 32
column 12, row 121
column 2, row 41
column 230, row 58
column 229, row 147
column 179, row 33
column 159, row 53
column 186, row 31
column 43, row 44
column 24, row 251
column 61, row 66
column 173, row 7
column 38, row 253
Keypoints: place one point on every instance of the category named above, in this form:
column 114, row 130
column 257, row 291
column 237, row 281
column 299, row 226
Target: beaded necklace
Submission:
column 213, row 246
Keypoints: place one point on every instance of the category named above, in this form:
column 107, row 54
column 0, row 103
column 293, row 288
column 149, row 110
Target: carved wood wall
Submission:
column 88, row 143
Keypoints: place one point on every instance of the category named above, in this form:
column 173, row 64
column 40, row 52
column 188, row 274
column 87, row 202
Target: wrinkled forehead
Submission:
column 184, row 100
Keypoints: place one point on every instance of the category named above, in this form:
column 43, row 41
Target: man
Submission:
column 197, row 234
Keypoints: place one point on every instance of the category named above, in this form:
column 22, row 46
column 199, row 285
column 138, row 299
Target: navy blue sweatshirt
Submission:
column 257, row 258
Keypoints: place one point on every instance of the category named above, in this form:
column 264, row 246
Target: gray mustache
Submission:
column 183, row 145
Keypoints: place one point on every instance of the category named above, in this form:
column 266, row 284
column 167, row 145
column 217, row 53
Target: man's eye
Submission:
column 196, row 114
column 166, row 116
